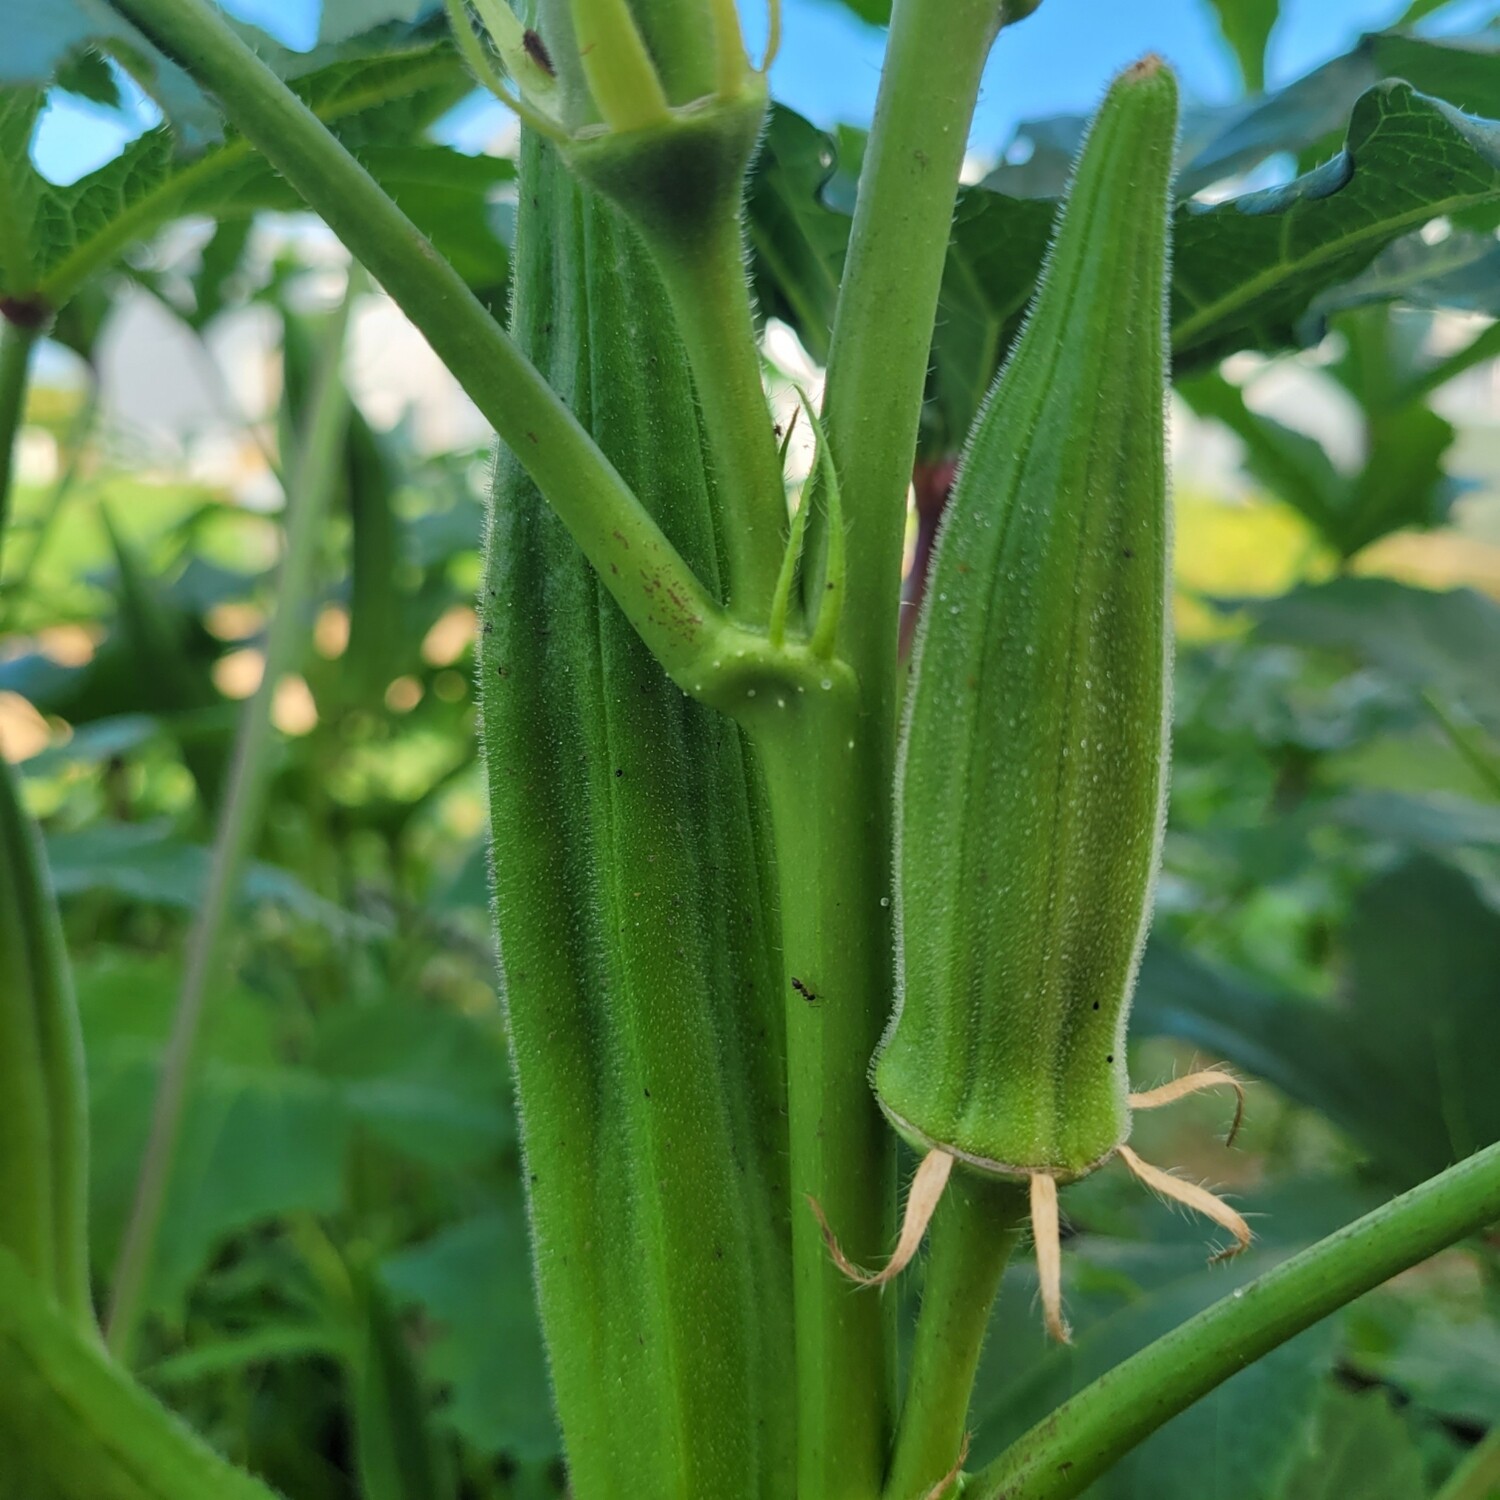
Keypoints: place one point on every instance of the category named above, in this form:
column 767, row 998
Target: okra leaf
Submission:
column 144, row 862
column 426, row 1083
column 473, row 1281
column 260, row 1139
column 1460, row 272
column 1438, row 1346
column 1246, row 270
column 797, row 239
column 54, row 238
column 1441, row 645
column 1359, row 1449
column 1389, row 1061
column 1254, row 272
column 1238, row 1444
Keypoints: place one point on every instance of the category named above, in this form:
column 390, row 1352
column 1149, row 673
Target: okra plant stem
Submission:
column 1063, row 1455
column 312, row 475
column 882, row 332
column 827, row 809
column 660, row 594
column 975, row 1230
column 710, row 295
column 96, row 1433
column 16, row 345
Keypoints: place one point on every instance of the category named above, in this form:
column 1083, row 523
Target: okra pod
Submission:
column 44, row 1113
column 1033, row 771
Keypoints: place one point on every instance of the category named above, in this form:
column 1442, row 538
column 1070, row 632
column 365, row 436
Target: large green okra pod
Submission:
column 1034, row 763
column 43, row 1108
column 637, row 939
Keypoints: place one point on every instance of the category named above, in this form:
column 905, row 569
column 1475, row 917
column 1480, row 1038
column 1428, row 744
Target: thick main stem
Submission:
column 828, row 798
column 976, row 1228
column 1086, row 1435
column 312, row 477
column 16, row 345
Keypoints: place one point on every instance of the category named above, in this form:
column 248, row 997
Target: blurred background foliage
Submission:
column 341, row 1299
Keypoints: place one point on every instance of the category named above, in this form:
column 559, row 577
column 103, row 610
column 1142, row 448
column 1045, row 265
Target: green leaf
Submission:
column 428, row 1083
column 1245, row 271
column 1441, row 645
column 1402, row 484
column 259, row 1139
column 379, row 91
column 143, row 862
column 1361, row 1450
column 1405, row 1080
column 1437, row 822
column 1460, row 271
column 797, row 241
column 474, row 1281
column 1439, row 1349
column 1247, row 26
column 1234, row 1445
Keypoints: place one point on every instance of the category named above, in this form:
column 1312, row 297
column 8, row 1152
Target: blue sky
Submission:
column 1057, row 61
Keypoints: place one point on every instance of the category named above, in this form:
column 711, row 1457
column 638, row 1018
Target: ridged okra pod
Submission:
column 1034, row 764
column 637, row 935
column 43, row 1105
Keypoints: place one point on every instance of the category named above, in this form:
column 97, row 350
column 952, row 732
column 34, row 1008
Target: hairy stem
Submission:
column 710, row 294
column 16, row 345
column 975, row 1230
column 827, row 796
column 1060, row 1457
column 882, row 332
column 659, row 593
column 313, row 473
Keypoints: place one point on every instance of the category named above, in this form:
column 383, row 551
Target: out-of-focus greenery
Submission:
column 342, row 1299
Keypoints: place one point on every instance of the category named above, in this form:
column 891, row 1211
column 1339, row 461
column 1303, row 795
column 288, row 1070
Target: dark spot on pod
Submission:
column 1127, row 552
column 619, row 773
column 806, row 991
column 1109, row 1057
column 1096, row 1005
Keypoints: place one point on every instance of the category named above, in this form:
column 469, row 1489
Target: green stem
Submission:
column 1061, row 1456
column 710, row 294
column 659, row 593
column 975, row 1230
column 75, row 1426
column 314, row 472
column 1485, row 345
column 1478, row 1476
column 825, row 785
column 882, row 332
column 1474, row 755
column 16, row 345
